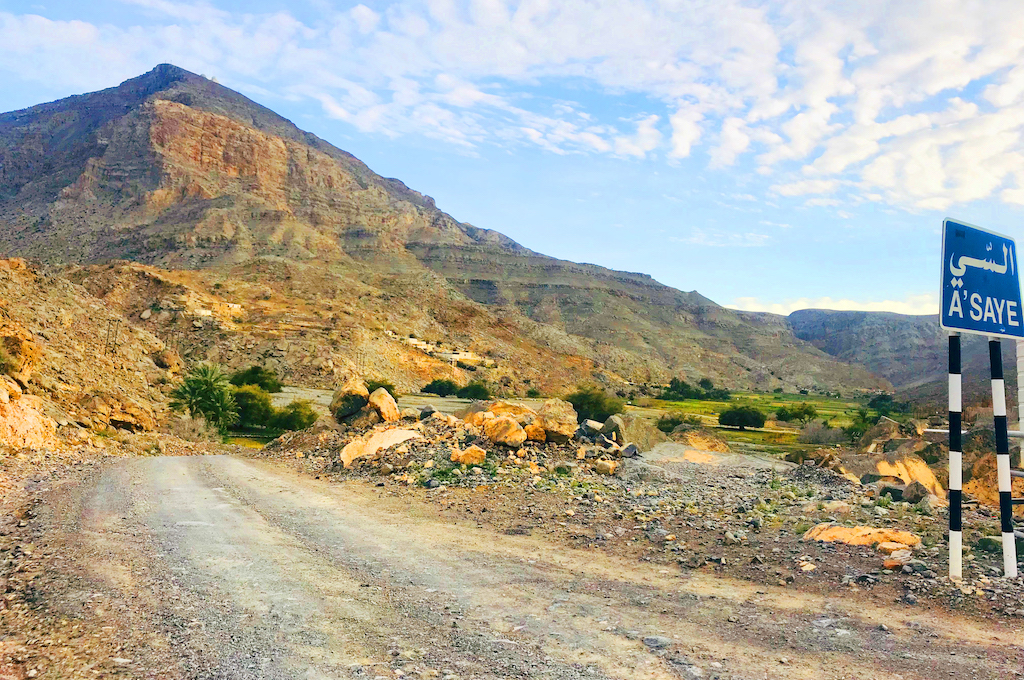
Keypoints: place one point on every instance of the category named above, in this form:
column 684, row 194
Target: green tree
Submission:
column 592, row 403
column 532, row 393
column 255, row 408
column 298, row 415
column 706, row 384
column 442, row 388
column 205, row 391
column 742, row 417
column 474, row 390
column 265, row 378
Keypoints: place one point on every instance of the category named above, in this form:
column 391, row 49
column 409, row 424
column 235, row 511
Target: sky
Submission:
column 770, row 155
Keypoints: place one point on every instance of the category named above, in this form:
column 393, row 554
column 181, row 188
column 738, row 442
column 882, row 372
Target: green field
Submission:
column 778, row 440
column 839, row 412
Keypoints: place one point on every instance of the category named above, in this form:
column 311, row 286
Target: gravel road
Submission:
column 221, row 567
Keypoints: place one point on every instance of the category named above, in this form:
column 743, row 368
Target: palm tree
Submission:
column 206, row 392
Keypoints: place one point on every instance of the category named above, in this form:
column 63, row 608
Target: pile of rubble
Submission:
column 370, row 434
column 777, row 524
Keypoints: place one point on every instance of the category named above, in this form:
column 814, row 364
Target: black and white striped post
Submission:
column 956, row 458
column 1002, row 458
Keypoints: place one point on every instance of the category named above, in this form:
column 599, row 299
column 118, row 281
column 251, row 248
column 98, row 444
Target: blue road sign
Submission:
column 980, row 282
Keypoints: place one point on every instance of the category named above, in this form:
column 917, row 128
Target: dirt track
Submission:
column 219, row 567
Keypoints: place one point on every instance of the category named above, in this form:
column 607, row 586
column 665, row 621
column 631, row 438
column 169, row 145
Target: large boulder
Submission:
column 479, row 411
column 349, row 398
column 385, row 405
column 367, row 446
column 641, row 432
column 506, row 431
column 559, row 420
column 613, row 428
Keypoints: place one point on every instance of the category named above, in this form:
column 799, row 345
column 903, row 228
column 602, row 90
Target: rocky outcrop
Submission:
column 174, row 170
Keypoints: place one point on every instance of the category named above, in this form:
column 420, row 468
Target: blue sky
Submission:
column 772, row 156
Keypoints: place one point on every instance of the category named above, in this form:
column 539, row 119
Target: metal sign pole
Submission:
column 956, row 456
column 1002, row 458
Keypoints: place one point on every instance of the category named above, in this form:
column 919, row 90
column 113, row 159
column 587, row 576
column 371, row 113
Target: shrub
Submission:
column 591, row 403
column 742, row 417
column 265, row 378
column 193, row 429
column 820, row 433
column 532, row 393
column 205, row 391
column 474, row 390
column 802, row 412
column 678, row 390
column 254, row 406
column 297, row 415
column 777, row 390
column 442, row 388
column 670, row 421
column 373, row 385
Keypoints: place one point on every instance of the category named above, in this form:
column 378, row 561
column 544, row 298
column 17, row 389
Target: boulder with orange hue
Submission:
column 862, row 535
column 505, row 431
column 559, row 420
column 889, row 547
column 606, row 467
column 368, row 445
column 535, row 432
column 385, row 405
column 474, row 455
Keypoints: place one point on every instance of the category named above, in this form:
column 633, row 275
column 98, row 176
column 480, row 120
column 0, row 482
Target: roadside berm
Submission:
column 799, row 526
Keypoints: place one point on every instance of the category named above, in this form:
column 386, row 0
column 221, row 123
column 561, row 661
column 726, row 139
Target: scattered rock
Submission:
column 658, row 641
column 915, row 492
column 606, row 467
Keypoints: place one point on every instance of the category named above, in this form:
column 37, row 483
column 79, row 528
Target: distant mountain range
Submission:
column 911, row 352
column 175, row 171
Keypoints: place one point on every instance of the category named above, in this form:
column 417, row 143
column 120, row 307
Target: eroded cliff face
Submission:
column 172, row 170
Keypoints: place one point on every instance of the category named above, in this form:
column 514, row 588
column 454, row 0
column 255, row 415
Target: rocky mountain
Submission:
column 911, row 352
column 325, row 262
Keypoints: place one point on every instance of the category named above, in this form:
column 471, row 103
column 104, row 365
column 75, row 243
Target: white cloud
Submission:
column 721, row 239
column 646, row 139
column 878, row 97
column 925, row 303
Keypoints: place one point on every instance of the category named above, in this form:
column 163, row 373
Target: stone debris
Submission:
column 777, row 526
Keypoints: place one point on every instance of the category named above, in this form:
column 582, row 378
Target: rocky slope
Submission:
column 911, row 352
column 175, row 171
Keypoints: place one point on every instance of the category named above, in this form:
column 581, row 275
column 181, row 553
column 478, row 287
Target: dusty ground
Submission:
column 220, row 567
